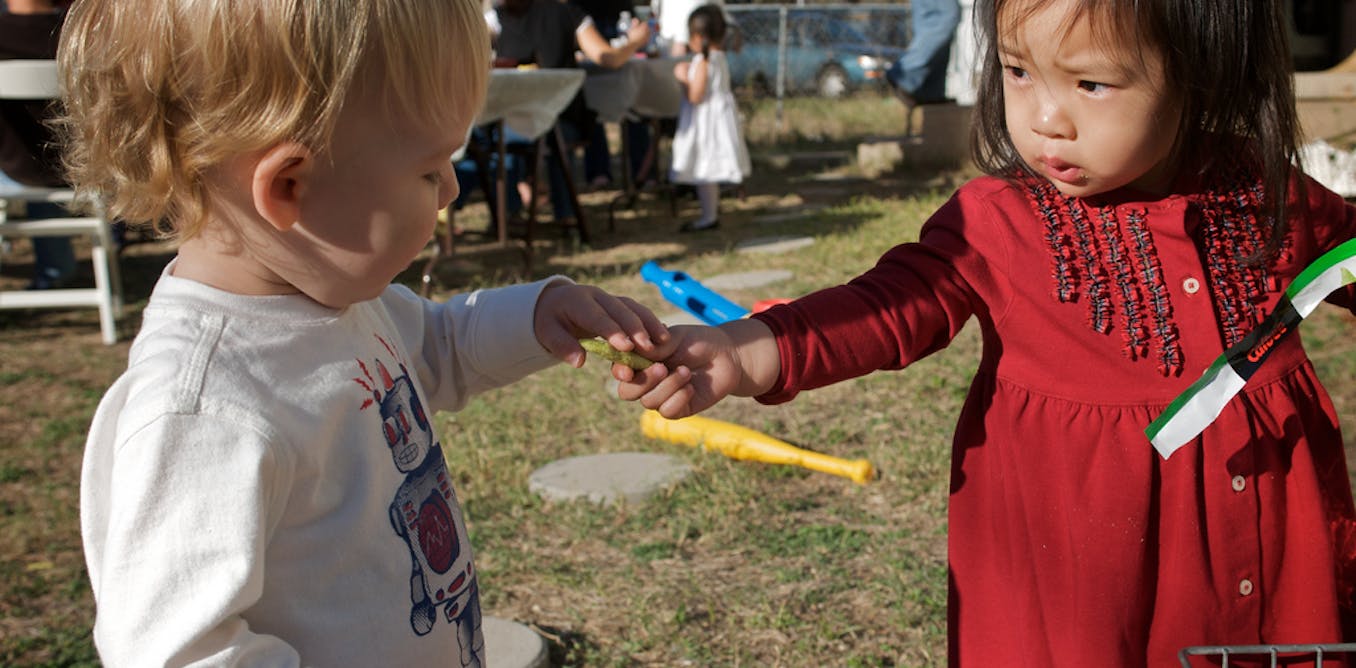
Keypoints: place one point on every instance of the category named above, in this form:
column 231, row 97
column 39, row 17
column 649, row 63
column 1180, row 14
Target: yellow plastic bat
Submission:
column 742, row 443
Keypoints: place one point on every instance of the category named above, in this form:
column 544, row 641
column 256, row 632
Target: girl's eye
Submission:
column 1093, row 86
column 1015, row 72
column 434, row 177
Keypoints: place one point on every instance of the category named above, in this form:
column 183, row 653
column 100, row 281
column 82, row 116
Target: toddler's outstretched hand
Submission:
column 702, row 365
column 567, row 311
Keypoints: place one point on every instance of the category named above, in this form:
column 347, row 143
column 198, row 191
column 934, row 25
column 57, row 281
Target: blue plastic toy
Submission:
column 690, row 295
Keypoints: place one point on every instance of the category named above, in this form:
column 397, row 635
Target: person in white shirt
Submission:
column 264, row 484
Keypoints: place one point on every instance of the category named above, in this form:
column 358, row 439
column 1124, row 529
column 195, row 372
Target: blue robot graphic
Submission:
column 425, row 514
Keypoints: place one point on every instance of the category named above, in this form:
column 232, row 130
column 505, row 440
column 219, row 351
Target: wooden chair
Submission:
column 37, row 80
column 534, row 153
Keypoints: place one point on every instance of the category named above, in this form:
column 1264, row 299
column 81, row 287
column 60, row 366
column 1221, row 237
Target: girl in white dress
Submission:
column 708, row 147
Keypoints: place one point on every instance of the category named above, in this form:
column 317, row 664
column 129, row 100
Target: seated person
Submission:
column 29, row 31
column 548, row 33
column 469, row 177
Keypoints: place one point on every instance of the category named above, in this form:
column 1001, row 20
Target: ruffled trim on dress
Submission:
column 1105, row 256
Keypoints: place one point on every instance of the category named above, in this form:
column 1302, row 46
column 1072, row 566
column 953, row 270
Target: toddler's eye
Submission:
column 1093, row 86
column 434, row 177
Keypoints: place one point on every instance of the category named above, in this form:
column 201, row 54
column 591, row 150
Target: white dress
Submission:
column 708, row 146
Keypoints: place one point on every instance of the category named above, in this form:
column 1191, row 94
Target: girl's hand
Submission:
column 567, row 311
column 703, row 365
column 680, row 72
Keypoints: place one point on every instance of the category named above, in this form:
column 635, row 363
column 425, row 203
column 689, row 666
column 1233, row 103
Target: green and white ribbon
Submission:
column 1192, row 411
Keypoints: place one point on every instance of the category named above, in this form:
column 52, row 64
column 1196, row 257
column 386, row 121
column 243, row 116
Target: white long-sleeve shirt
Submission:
column 263, row 485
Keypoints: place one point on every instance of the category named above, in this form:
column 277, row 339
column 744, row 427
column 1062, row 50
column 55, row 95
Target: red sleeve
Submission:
column 911, row 304
column 1327, row 221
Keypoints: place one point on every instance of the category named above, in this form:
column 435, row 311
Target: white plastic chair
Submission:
column 37, row 80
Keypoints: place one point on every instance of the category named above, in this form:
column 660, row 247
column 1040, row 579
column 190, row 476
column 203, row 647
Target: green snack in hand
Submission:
column 605, row 350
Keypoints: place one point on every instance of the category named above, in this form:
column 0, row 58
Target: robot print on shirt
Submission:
column 425, row 513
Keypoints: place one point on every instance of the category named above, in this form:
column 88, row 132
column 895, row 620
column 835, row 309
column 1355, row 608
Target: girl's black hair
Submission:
column 709, row 22
column 1228, row 60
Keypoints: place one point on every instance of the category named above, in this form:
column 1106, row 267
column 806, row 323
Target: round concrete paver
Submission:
column 774, row 244
column 608, row 477
column 509, row 644
column 747, row 280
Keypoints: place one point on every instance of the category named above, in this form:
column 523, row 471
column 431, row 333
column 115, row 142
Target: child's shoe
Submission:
column 697, row 226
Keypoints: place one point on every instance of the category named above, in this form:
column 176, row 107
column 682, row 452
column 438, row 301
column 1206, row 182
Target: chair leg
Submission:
column 103, row 283
column 114, row 265
column 534, row 179
column 442, row 238
column 501, row 175
column 564, row 166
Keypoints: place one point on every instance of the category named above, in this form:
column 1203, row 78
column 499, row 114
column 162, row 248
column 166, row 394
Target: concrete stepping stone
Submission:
column 773, row 244
column 747, row 280
column 609, row 477
column 509, row 644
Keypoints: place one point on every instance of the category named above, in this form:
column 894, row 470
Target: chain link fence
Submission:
column 827, row 51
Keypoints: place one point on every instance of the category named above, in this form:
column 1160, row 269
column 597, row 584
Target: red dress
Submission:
column 1071, row 541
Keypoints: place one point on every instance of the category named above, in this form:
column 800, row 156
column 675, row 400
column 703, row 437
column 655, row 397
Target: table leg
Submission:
column 628, row 193
column 501, row 175
column 564, row 166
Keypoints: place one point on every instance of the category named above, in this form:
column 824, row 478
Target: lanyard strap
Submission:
column 1193, row 410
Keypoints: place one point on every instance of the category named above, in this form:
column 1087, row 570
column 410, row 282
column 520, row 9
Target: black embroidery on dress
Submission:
column 1230, row 234
column 1164, row 327
column 1132, row 316
column 1094, row 270
column 1061, row 252
column 1107, row 253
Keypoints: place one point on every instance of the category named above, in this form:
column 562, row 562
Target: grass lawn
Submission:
column 742, row 564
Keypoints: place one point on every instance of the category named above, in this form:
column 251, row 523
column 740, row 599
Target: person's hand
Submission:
column 638, row 33
column 701, row 366
column 680, row 72
column 567, row 311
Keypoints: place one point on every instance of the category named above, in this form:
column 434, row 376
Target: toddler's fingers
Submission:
column 638, row 383
column 638, row 327
column 677, row 382
column 679, row 404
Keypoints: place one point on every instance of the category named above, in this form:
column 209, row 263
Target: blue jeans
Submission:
column 921, row 70
column 53, row 257
column 560, row 194
column 468, row 175
column 598, row 159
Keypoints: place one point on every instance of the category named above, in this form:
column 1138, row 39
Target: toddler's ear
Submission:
column 279, row 181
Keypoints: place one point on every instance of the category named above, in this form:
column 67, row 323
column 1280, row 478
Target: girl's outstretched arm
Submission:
column 703, row 365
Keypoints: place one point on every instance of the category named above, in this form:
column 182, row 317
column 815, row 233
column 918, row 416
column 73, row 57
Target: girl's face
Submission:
column 695, row 42
column 1091, row 117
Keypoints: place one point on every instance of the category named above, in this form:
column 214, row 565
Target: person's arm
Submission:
column 490, row 338
column 175, row 527
column 698, row 74
column 596, row 48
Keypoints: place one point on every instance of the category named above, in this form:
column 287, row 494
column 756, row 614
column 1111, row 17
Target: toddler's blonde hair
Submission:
column 157, row 92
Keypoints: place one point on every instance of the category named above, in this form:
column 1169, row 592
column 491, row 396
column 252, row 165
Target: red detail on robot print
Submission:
column 437, row 534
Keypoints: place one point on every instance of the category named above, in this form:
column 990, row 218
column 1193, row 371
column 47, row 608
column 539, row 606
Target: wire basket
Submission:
column 1279, row 654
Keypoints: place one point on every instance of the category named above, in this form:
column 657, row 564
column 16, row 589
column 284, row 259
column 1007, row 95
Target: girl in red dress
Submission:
column 1140, row 215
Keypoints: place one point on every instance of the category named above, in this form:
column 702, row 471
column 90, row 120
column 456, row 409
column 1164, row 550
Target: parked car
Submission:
column 825, row 55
